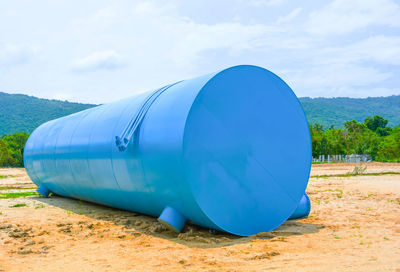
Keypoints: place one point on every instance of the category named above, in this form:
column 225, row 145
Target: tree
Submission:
column 12, row 149
column 4, row 156
column 383, row 144
column 318, row 140
column 355, row 137
column 375, row 122
column 337, row 144
column 383, row 131
column 389, row 148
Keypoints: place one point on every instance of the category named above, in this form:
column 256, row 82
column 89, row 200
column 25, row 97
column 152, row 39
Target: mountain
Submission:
column 336, row 111
column 20, row 112
column 23, row 113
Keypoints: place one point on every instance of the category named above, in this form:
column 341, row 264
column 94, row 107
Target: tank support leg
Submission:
column 303, row 208
column 43, row 191
column 172, row 219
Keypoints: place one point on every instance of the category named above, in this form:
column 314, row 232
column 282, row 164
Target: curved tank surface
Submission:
column 229, row 151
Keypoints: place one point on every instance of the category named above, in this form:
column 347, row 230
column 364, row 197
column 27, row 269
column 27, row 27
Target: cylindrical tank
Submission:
column 229, row 151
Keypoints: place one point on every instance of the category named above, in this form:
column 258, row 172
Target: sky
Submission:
column 102, row 51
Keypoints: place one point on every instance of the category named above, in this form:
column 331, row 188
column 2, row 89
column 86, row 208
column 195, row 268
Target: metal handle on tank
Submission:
column 124, row 139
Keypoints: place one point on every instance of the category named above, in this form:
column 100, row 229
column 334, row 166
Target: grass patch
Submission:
column 6, row 176
column 17, row 194
column 39, row 206
column 18, row 205
column 356, row 174
column 16, row 188
column 339, row 195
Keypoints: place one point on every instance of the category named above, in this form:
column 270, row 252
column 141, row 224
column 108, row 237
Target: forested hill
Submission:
column 22, row 113
column 336, row 111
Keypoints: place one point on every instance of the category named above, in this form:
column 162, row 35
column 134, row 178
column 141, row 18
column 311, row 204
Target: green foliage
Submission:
column 18, row 194
column 371, row 137
column 23, row 113
column 12, row 149
column 375, row 122
column 383, row 131
column 18, row 205
column 389, row 147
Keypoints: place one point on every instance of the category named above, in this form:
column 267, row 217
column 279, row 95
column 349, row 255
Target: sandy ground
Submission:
column 343, row 168
column 354, row 225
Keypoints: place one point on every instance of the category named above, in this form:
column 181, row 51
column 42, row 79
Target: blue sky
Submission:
column 101, row 51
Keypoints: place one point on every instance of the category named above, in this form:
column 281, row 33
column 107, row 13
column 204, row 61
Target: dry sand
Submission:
column 354, row 225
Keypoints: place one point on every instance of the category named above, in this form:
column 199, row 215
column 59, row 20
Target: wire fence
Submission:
column 353, row 158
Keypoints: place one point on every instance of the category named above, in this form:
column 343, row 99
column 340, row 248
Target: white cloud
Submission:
column 336, row 79
column 101, row 18
column 233, row 37
column 159, row 34
column 344, row 16
column 380, row 49
column 265, row 2
column 104, row 60
column 289, row 17
column 161, row 41
column 16, row 54
column 176, row 40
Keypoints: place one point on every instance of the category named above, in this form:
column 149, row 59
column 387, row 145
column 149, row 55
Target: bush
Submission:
column 12, row 149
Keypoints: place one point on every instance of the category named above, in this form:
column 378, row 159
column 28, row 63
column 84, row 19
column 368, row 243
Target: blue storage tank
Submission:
column 229, row 151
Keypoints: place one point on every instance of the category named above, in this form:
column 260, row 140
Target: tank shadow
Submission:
column 136, row 224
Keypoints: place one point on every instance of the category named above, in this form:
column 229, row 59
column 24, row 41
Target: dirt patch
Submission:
column 354, row 225
column 344, row 168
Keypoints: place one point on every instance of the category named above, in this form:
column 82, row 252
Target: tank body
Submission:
column 229, row 151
